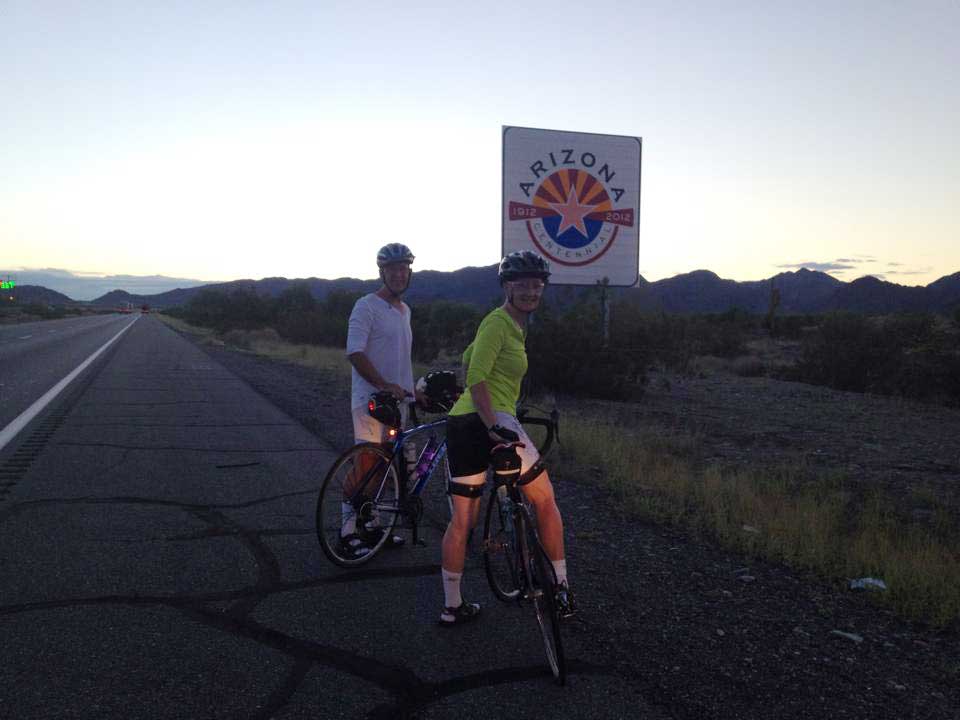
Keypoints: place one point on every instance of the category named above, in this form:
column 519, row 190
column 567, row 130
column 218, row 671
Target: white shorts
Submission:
column 470, row 446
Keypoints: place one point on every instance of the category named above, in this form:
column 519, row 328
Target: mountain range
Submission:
column 701, row 291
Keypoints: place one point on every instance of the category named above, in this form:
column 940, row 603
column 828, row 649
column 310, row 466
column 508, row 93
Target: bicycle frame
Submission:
column 397, row 459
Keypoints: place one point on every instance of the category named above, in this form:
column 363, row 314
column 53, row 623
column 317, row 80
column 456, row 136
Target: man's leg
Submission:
column 365, row 429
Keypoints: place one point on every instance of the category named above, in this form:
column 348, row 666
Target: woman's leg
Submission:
column 549, row 523
column 454, row 546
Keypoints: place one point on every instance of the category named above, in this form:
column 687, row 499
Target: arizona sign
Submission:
column 575, row 199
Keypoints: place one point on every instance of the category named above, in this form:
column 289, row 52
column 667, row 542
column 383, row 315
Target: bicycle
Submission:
column 516, row 565
column 368, row 485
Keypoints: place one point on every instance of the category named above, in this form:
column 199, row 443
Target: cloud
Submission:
column 835, row 266
column 921, row 271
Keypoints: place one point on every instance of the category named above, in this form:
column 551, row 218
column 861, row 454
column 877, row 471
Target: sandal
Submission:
column 354, row 546
column 372, row 537
column 455, row 616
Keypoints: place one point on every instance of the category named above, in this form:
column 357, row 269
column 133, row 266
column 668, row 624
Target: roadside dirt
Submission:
column 910, row 449
column 698, row 631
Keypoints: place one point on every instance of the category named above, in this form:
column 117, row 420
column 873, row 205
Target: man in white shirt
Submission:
column 379, row 344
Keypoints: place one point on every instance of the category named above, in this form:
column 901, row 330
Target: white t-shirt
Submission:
column 382, row 333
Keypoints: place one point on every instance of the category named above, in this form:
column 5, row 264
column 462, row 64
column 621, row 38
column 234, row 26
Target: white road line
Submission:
column 24, row 337
column 21, row 421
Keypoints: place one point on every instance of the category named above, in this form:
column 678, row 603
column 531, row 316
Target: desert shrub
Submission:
column 238, row 310
column 48, row 312
column 675, row 340
column 905, row 355
column 792, row 327
column 442, row 325
column 295, row 314
column 566, row 354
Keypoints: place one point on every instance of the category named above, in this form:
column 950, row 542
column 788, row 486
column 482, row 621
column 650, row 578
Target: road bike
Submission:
column 375, row 488
column 517, row 567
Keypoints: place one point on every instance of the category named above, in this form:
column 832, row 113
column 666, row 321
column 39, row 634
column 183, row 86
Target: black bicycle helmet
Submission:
column 523, row 264
column 394, row 253
column 441, row 390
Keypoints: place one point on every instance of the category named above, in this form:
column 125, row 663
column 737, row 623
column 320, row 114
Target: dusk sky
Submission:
column 223, row 140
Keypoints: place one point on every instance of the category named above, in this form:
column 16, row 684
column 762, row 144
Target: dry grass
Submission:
column 268, row 343
column 787, row 514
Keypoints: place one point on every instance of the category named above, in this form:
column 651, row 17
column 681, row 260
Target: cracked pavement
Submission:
column 158, row 560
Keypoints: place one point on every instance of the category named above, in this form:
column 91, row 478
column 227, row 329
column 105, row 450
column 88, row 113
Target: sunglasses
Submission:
column 532, row 285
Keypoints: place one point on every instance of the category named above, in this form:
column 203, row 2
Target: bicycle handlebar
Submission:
column 552, row 424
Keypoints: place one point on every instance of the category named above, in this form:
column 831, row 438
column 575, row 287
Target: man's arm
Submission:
column 368, row 372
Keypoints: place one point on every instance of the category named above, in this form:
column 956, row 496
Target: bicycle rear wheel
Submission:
column 360, row 494
column 500, row 550
column 543, row 581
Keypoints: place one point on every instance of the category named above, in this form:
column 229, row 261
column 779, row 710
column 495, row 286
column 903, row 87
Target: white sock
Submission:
column 348, row 524
column 451, row 588
column 560, row 568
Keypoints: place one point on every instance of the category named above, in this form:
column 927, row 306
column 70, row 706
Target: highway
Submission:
column 35, row 356
column 158, row 560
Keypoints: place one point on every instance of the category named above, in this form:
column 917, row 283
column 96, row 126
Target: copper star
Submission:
column 572, row 213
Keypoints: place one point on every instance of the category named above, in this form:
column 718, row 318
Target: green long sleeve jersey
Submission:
column 498, row 357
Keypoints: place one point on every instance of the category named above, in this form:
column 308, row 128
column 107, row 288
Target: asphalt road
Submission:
column 158, row 560
column 35, row 356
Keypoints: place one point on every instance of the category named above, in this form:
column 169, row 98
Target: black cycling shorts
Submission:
column 468, row 445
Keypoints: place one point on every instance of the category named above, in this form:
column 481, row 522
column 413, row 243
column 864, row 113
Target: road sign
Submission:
column 575, row 199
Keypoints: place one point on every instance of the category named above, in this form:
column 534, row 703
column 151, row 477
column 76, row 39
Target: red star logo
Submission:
column 572, row 213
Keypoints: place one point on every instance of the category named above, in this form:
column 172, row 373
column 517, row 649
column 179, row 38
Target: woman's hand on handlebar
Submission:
column 500, row 434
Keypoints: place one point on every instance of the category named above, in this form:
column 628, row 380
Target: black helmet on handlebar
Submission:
column 441, row 389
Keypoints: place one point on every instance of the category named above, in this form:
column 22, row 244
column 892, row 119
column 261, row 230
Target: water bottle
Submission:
column 506, row 510
column 410, row 459
column 426, row 457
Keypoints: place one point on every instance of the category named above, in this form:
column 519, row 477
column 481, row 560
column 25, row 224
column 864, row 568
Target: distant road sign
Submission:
column 575, row 199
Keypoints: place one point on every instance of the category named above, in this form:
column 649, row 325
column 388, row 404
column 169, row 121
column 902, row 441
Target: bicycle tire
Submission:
column 543, row 581
column 375, row 492
column 500, row 551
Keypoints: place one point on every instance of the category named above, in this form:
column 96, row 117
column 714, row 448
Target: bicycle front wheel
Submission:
column 360, row 495
column 543, row 581
column 500, row 550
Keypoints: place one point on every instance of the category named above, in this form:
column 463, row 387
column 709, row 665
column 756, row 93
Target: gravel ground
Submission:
column 702, row 633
